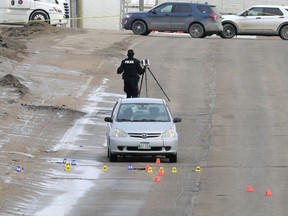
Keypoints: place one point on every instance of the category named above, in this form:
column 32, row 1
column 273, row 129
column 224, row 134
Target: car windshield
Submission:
column 50, row 1
column 143, row 113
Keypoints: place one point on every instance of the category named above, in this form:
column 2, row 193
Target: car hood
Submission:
column 147, row 127
column 138, row 13
column 229, row 17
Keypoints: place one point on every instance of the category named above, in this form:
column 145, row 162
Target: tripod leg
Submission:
column 140, row 86
column 146, row 85
column 158, row 84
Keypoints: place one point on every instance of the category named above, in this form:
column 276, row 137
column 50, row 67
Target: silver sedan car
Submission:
column 142, row 126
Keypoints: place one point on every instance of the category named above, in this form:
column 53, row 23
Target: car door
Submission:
column 250, row 21
column 181, row 16
column 272, row 19
column 160, row 17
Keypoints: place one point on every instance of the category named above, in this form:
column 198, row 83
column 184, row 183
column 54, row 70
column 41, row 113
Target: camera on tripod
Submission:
column 145, row 62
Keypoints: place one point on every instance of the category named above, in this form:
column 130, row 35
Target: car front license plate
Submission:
column 144, row 145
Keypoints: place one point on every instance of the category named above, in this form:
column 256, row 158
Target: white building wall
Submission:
column 105, row 14
column 101, row 14
column 233, row 6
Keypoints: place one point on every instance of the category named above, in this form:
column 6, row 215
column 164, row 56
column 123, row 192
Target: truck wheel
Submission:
column 284, row 32
column 40, row 15
column 229, row 31
column 197, row 31
column 139, row 28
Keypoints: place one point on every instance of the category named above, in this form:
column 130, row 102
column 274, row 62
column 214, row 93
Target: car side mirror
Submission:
column 108, row 119
column 245, row 14
column 176, row 120
column 153, row 11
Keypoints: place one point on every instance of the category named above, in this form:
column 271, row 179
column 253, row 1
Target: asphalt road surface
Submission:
column 231, row 96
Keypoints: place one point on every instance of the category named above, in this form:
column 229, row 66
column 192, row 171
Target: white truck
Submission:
column 23, row 11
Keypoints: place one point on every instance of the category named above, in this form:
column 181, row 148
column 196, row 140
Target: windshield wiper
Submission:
column 122, row 120
column 144, row 120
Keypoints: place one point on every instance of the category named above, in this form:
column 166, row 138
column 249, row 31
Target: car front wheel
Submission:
column 139, row 28
column 197, row 31
column 112, row 157
column 284, row 32
column 229, row 31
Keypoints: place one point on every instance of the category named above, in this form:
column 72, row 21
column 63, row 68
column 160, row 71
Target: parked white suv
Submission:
column 266, row 20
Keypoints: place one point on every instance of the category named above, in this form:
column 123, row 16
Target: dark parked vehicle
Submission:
column 197, row 19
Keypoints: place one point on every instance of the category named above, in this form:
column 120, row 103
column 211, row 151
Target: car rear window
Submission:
column 272, row 12
column 205, row 9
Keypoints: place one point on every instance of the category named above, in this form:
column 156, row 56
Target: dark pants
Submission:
column 131, row 87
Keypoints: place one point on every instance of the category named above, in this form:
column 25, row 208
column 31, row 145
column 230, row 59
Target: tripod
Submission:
column 145, row 76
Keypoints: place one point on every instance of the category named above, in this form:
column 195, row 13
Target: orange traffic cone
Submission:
column 147, row 167
column 268, row 193
column 161, row 173
column 158, row 161
column 250, row 188
column 157, row 179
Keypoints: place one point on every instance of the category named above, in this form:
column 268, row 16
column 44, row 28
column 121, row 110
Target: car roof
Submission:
column 194, row 3
column 142, row 100
column 270, row 6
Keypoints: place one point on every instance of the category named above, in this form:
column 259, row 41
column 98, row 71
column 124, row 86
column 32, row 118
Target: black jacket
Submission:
column 131, row 68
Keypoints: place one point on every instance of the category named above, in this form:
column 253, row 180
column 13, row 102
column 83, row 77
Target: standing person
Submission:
column 131, row 69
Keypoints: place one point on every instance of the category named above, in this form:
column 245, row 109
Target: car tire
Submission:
column 147, row 33
column 139, row 28
column 113, row 157
column 40, row 15
column 173, row 158
column 284, row 32
column 229, row 31
column 197, row 31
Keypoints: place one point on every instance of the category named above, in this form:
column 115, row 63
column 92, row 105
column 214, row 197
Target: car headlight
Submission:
column 169, row 133
column 119, row 133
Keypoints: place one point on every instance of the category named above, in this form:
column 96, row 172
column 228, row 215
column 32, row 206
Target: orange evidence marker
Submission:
column 157, row 179
column 268, row 193
column 250, row 188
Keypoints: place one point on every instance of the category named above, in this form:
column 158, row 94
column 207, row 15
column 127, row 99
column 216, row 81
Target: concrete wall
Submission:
column 101, row 14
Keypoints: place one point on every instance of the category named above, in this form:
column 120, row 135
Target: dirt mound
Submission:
column 11, row 81
column 12, row 48
column 31, row 29
column 13, row 38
